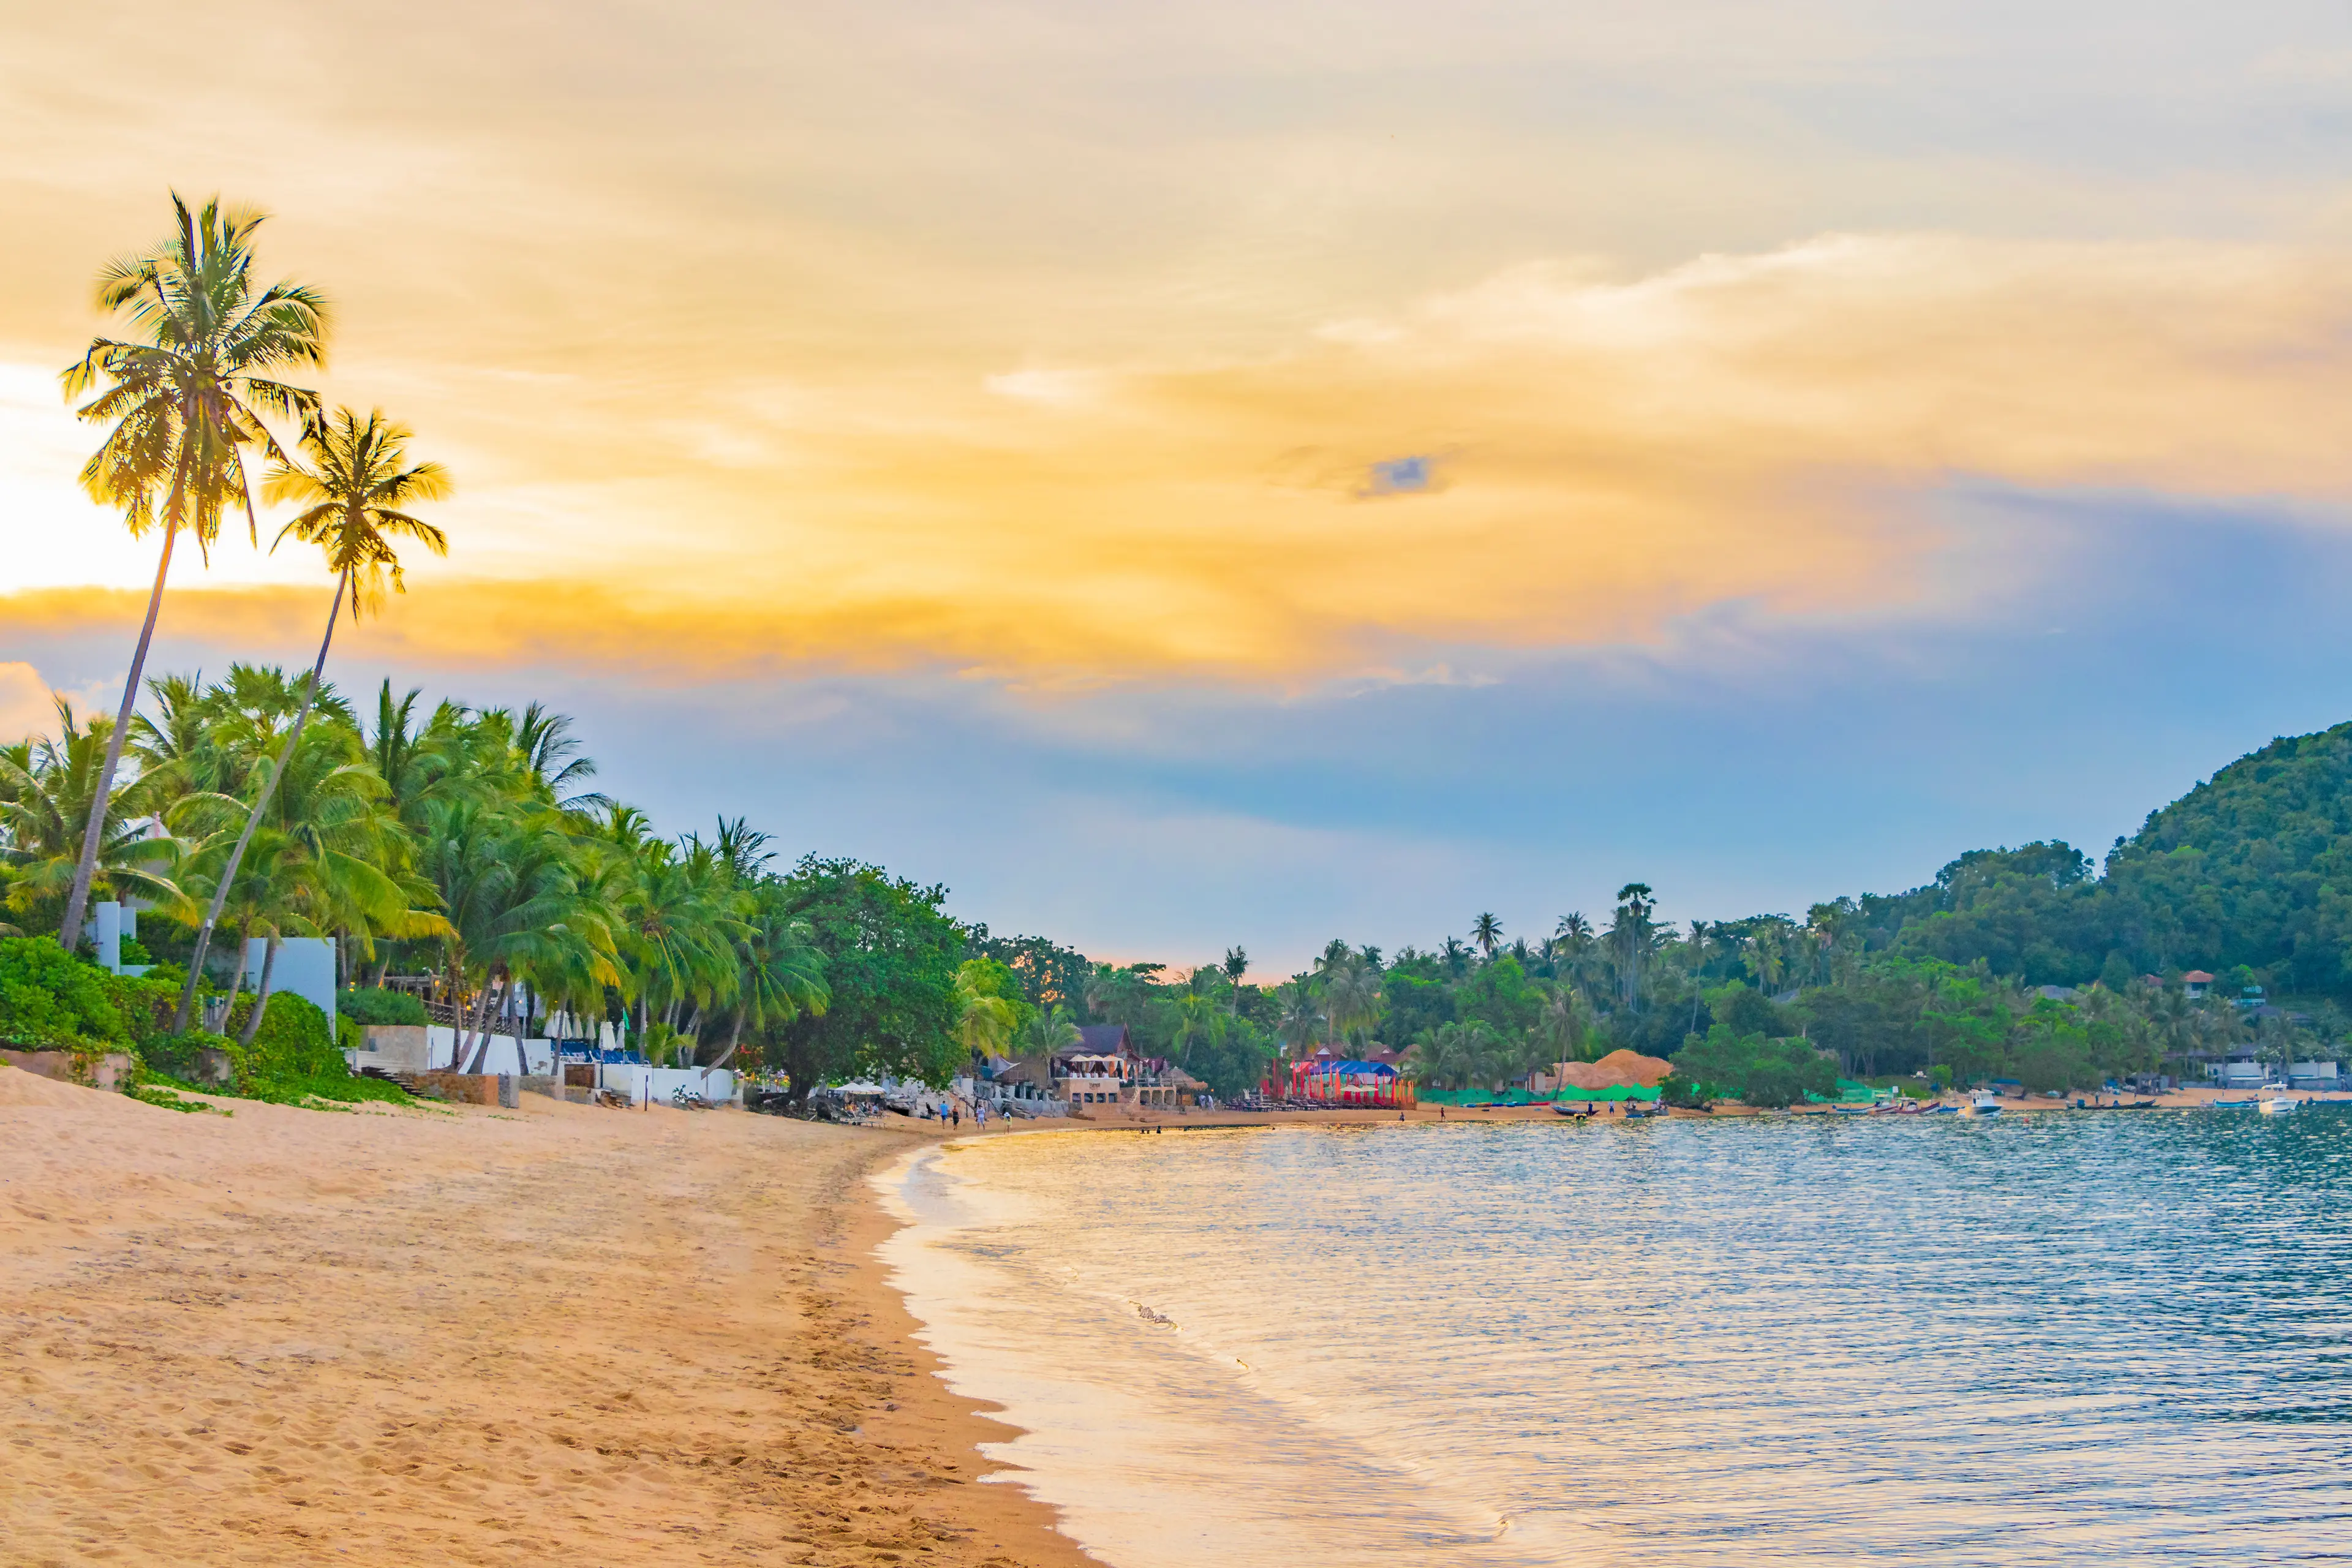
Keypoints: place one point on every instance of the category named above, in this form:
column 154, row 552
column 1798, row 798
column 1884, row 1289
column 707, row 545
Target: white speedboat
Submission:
column 1982, row 1104
column 2278, row 1106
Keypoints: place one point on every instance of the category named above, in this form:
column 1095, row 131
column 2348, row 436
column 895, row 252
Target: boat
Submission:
column 2277, row 1106
column 2230, row 1104
column 1561, row 1108
column 1984, row 1105
column 1941, row 1111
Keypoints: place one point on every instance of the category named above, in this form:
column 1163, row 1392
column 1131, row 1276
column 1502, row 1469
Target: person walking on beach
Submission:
column 956, row 1117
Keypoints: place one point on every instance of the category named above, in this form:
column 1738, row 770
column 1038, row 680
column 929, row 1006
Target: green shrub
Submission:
column 371, row 1004
column 292, row 1042
column 48, row 998
column 175, row 1056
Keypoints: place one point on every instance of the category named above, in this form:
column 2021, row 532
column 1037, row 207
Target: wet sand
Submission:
column 559, row 1336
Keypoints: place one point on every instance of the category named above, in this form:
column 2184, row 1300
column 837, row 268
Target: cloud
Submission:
column 1785, row 430
column 25, row 706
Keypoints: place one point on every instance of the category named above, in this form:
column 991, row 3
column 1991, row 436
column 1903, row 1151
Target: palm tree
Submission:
column 1236, row 964
column 49, row 795
column 784, row 972
column 1487, row 932
column 356, row 488
column 1560, row 1023
column 1629, row 934
column 548, row 748
column 1351, row 996
column 1300, row 1019
column 185, row 405
column 1045, row 1035
column 985, row 1022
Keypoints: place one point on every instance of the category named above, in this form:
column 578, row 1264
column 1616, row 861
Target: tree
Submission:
column 49, row 799
column 356, row 485
column 185, row 405
column 1351, row 996
column 1628, row 938
column 1300, row 1019
column 1236, row 964
column 988, row 1007
column 1560, row 1023
column 1487, row 931
column 1045, row 1034
column 782, row 971
column 890, row 957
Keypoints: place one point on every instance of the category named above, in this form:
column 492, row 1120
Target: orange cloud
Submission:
column 1587, row 458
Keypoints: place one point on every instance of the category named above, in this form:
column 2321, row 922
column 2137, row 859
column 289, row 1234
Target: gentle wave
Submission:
column 2044, row 1339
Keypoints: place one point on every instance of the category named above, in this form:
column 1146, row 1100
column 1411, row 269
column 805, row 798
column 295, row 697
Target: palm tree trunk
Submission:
column 261, row 993
column 734, row 1037
column 261, row 801
column 70, row 930
column 236, row 971
column 481, row 1027
column 383, row 966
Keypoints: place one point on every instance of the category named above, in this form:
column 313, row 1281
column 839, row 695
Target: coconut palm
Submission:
column 1236, row 964
column 50, row 797
column 1560, row 1023
column 185, row 405
column 1487, row 933
column 1300, row 1019
column 1045, row 1035
column 356, row 485
column 985, row 1022
column 1351, row 998
column 782, row 971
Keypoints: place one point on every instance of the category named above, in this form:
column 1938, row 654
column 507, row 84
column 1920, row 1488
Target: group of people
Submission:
column 952, row 1113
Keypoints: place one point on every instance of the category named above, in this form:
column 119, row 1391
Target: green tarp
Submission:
column 1521, row 1096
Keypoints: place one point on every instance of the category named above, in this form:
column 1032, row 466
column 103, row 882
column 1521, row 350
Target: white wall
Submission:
column 639, row 1083
column 305, row 967
column 531, row 1057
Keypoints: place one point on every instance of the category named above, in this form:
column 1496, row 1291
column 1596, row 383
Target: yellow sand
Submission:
column 557, row 1336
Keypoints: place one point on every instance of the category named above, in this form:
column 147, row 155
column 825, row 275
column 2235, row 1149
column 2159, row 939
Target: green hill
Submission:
column 2250, row 869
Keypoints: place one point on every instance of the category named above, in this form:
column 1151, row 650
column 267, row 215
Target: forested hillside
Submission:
column 2250, row 870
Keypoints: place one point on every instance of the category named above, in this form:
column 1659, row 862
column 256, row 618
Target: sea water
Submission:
column 2076, row 1338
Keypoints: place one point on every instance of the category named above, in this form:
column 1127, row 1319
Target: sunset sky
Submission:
column 1252, row 472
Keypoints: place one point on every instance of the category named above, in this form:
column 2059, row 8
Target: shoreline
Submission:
column 457, row 1335
column 926, row 1413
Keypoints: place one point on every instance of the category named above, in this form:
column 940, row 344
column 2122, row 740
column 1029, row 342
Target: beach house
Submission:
column 1097, row 1069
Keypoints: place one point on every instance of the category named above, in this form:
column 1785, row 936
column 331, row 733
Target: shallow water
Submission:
column 2092, row 1338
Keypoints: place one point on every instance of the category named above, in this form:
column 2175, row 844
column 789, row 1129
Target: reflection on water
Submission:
column 2075, row 1339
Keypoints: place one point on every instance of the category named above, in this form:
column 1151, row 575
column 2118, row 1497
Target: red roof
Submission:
column 2197, row 977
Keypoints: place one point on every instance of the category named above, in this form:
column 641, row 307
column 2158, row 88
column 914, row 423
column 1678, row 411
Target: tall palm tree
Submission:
column 1454, row 957
column 1487, row 932
column 1300, row 1019
column 1560, row 1023
column 1351, row 996
column 783, row 972
column 1629, row 934
column 1236, row 964
column 356, row 486
column 185, row 405
column 1045, row 1035
column 46, row 787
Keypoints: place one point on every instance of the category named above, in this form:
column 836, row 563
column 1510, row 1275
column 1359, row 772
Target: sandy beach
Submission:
column 563, row 1335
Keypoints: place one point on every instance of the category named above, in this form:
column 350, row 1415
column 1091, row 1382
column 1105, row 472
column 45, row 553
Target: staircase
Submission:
column 406, row 1080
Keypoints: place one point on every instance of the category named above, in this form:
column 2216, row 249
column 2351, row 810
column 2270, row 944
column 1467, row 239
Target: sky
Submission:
column 1182, row 476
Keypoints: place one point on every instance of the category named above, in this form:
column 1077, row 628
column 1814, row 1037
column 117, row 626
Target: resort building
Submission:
column 2196, row 981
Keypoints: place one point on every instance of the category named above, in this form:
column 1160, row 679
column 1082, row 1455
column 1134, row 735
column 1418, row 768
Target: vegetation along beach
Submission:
column 1251, row 787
